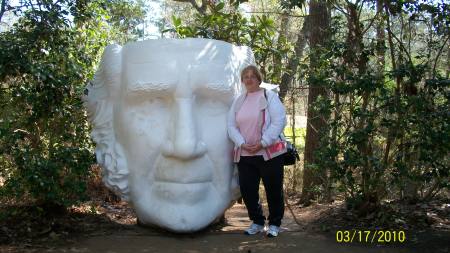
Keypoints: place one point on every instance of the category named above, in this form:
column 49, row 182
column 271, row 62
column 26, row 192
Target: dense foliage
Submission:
column 45, row 61
column 388, row 127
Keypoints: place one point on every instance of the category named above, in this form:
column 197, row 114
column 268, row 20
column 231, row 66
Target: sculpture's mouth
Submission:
column 173, row 171
column 181, row 193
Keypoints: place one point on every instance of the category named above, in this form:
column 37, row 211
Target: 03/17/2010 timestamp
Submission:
column 370, row 236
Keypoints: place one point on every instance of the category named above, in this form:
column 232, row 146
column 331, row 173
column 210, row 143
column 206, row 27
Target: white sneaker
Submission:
column 273, row 231
column 254, row 229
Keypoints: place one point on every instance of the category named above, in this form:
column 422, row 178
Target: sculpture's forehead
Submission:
column 189, row 51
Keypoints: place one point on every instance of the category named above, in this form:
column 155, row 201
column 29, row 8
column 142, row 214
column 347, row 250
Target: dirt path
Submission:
column 228, row 237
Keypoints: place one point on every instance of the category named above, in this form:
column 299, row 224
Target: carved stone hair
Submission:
column 101, row 93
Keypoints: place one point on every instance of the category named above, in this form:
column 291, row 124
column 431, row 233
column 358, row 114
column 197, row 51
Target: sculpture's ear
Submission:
column 110, row 69
column 106, row 82
column 249, row 57
column 106, row 79
column 242, row 57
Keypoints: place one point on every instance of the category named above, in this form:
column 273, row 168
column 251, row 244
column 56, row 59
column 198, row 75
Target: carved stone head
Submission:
column 158, row 110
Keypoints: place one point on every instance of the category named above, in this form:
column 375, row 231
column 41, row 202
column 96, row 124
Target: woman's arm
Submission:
column 233, row 131
column 277, row 115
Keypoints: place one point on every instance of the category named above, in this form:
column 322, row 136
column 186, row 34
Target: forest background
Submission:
column 366, row 85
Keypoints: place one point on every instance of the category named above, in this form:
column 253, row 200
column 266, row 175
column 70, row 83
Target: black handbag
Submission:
column 291, row 156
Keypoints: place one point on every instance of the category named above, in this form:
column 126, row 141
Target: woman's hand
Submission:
column 252, row 148
column 246, row 147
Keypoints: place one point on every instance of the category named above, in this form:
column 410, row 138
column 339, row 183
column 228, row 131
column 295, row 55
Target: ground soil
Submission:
column 112, row 227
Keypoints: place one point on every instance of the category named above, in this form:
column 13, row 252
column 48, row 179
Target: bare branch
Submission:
column 372, row 20
column 275, row 12
column 339, row 8
column 201, row 9
column 438, row 55
column 402, row 47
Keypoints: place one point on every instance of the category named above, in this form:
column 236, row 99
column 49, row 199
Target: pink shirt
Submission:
column 247, row 119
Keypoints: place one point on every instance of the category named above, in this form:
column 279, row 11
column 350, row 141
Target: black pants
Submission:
column 251, row 170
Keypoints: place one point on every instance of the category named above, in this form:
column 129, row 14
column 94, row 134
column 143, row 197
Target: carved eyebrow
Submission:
column 140, row 86
column 219, row 87
column 215, row 90
column 149, row 76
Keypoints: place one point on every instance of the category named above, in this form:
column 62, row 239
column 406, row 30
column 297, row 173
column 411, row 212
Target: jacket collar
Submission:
column 262, row 103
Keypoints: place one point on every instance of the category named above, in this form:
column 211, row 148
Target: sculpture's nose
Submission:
column 185, row 143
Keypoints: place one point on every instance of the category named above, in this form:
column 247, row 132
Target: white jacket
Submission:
column 273, row 121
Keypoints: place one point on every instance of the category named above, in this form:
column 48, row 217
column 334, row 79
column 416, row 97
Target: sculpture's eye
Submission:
column 152, row 99
column 156, row 101
column 211, row 105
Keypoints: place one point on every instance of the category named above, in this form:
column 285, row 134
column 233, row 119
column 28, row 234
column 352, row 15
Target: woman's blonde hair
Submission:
column 255, row 71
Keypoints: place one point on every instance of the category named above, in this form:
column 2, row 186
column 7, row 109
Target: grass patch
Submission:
column 300, row 134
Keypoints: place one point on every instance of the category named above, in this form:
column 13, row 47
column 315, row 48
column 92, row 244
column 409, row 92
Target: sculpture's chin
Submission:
column 180, row 208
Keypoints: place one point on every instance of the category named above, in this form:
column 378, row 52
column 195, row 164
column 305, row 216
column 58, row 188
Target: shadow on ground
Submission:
column 112, row 228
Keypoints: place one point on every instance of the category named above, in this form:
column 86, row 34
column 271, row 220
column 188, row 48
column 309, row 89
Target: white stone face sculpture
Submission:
column 158, row 109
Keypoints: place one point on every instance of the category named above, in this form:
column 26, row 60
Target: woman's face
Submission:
column 250, row 79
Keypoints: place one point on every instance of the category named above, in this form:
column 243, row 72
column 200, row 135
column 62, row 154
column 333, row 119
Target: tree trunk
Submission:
column 447, row 72
column 277, row 59
column 288, row 75
column 3, row 8
column 380, row 39
column 320, row 22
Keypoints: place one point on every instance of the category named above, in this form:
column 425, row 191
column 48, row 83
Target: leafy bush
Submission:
column 45, row 61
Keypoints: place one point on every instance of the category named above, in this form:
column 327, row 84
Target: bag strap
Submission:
column 263, row 114
column 265, row 95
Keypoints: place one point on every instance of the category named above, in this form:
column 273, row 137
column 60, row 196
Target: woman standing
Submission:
column 255, row 123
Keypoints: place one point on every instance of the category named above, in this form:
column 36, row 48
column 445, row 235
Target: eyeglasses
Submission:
column 250, row 77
